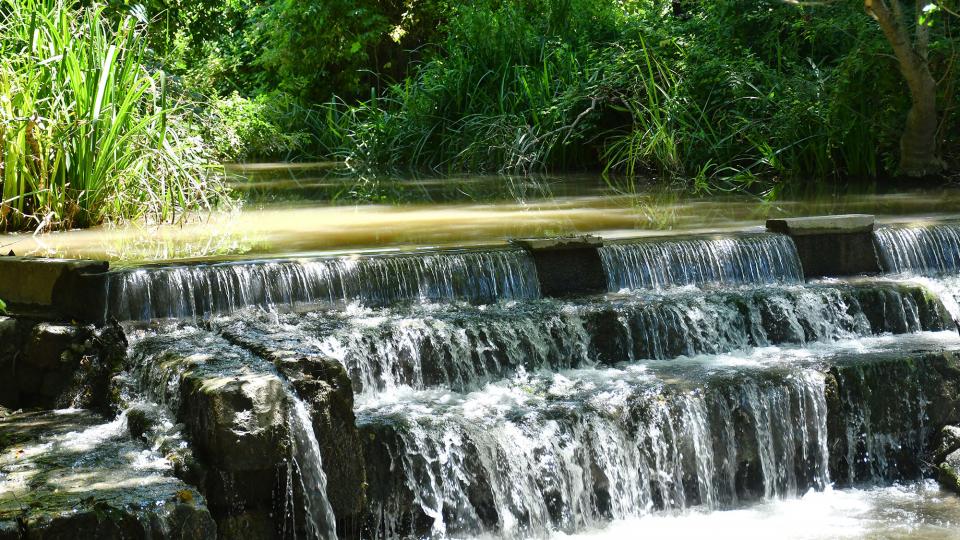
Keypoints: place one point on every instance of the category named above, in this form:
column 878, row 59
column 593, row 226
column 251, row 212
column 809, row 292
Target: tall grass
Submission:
column 87, row 132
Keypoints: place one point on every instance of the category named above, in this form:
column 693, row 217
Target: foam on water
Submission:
column 916, row 511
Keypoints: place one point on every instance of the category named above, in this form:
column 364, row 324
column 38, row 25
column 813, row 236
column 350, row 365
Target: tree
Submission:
column 907, row 30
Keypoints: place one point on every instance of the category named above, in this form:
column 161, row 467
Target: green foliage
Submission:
column 514, row 86
column 243, row 129
column 727, row 95
column 87, row 132
column 3, row 307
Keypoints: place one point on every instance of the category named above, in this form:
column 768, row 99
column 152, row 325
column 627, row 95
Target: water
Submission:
column 320, row 521
column 918, row 511
column 573, row 449
column 932, row 250
column 297, row 211
column 201, row 290
column 710, row 390
column 463, row 347
column 756, row 259
column 75, row 461
column 649, row 444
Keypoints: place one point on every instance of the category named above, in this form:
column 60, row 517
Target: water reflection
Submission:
column 303, row 209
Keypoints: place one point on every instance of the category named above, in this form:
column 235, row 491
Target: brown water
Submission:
column 305, row 209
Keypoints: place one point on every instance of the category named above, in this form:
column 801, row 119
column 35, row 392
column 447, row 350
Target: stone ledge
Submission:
column 840, row 224
column 567, row 265
column 564, row 242
column 58, row 288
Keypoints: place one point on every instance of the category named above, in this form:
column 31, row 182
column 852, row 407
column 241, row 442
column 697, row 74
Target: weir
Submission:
column 739, row 260
column 446, row 394
column 201, row 290
column 930, row 250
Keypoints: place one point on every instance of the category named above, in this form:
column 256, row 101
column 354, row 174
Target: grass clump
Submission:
column 89, row 133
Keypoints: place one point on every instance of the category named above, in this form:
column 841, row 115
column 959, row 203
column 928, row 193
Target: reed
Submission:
column 88, row 133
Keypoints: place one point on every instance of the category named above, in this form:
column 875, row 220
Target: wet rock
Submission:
column 948, row 472
column 391, row 508
column 238, row 429
column 73, row 474
column 325, row 385
column 885, row 410
column 898, row 308
column 49, row 365
column 234, row 408
column 947, row 442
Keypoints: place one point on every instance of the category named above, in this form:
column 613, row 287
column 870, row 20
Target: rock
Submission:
column 142, row 420
column 948, row 472
column 234, row 408
column 49, row 365
column 76, row 475
column 859, row 391
column 946, row 442
column 325, row 385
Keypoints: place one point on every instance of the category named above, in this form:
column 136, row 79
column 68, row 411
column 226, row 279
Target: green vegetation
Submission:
column 118, row 112
column 87, row 132
column 737, row 94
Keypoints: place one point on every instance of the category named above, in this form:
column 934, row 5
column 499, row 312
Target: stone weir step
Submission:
column 828, row 246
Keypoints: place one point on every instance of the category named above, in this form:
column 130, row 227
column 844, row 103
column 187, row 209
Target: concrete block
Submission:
column 567, row 266
column 60, row 288
column 815, row 225
column 832, row 246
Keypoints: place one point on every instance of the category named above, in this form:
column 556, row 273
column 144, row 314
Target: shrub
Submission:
column 87, row 132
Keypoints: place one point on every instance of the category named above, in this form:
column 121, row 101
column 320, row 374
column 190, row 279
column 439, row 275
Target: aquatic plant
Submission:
column 88, row 130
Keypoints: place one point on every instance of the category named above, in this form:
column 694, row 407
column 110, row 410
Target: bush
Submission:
column 265, row 127
column 87, row 133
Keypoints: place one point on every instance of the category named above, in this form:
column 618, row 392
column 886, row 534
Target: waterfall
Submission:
column 464, row 347
column 932, row 250
column 194, row 291
column 319, row 518
column 568, row 451
column 753, row 259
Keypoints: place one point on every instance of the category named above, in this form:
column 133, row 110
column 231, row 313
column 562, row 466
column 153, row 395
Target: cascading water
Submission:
column 463, row 347
column 929, row 255
column 529, row 416
column 319, row 518
column 571, row 450
column 194, row 291
column 933, row 250
column 751, row 259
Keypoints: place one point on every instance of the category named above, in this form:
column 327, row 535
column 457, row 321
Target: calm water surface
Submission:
column 308, row 209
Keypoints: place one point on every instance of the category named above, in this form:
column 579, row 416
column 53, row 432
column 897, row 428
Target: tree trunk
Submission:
column 918, row 144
